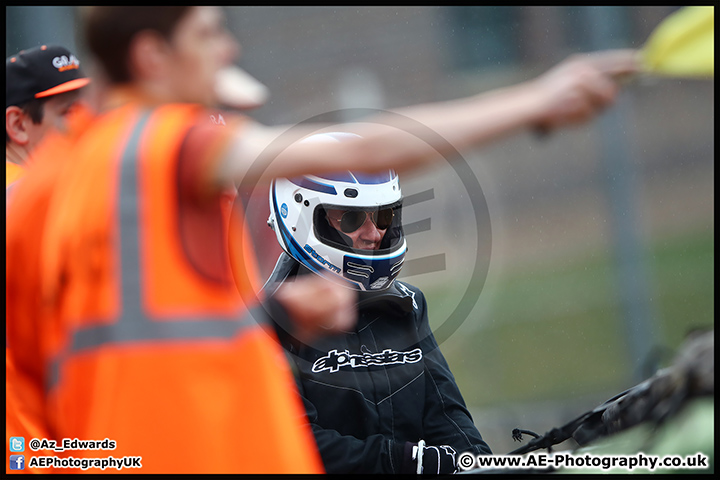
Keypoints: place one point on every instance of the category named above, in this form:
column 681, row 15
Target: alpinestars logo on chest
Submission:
column 335, row 360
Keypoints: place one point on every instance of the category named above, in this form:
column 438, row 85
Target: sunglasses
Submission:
column 351, row 220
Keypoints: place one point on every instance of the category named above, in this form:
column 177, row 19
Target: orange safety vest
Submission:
column 13, row 172
column 15, row 414
column 26, row 212
column 177, row 370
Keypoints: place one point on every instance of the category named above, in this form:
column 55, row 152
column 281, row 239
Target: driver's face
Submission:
column 367, row 237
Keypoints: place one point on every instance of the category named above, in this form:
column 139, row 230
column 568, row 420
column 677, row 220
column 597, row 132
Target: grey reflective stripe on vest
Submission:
column 133, row 324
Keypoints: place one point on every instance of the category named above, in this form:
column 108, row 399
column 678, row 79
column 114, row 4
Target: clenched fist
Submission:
column 316, row 305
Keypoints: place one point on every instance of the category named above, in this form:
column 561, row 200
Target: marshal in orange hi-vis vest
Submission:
column 24, row 309
column 153, row 341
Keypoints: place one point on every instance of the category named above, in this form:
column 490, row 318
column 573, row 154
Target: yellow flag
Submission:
column 683, row 44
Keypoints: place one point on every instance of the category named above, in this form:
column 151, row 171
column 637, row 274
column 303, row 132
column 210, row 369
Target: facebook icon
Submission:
column 17, row 462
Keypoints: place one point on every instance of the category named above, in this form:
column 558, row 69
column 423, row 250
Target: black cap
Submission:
column 41, row 72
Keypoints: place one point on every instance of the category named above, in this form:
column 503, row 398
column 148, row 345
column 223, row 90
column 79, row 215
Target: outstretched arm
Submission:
column 571, row 93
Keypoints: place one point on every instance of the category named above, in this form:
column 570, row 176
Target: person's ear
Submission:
column 148, row 55
column 16, row 125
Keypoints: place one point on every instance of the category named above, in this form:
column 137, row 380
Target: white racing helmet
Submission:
column 298, row 216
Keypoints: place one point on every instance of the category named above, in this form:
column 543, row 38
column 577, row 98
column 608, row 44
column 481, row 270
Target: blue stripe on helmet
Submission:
column 313, row 185
column 293, row 248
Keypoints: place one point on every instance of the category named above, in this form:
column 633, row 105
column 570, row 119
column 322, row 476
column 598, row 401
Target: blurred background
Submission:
column 559, row 269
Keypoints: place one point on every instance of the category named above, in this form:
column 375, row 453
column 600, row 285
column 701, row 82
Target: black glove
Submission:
column 429, row 459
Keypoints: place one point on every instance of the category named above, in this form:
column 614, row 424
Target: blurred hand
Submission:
column 580, row 87
column 316, row 305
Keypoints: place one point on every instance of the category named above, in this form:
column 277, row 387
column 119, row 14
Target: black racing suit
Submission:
column 370, row 391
